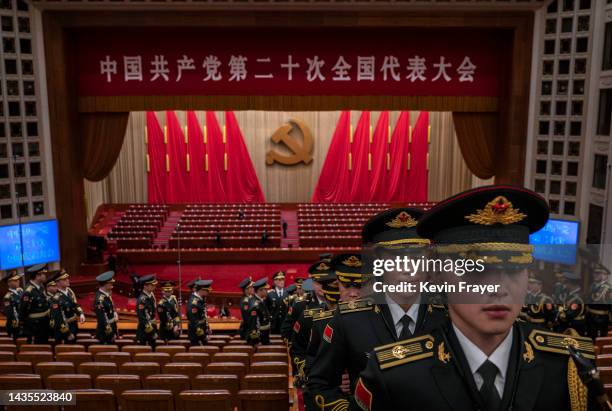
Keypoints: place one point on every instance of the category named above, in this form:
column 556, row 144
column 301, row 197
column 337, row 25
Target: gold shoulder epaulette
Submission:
column 323, row 315
column 405, row 351
column 558, row 343
column 365, row 304
column 29, row 289
column 7, row 296
column 311, row 312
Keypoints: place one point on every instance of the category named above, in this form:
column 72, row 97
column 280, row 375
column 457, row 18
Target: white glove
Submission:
column 82, row 318
column 116, row 316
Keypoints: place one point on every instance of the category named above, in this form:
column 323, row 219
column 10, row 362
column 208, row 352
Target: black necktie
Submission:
column 488, row 371
column 405, row 333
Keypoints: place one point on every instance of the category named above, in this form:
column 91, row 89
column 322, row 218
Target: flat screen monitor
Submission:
column 557, row 241
column 40, row 244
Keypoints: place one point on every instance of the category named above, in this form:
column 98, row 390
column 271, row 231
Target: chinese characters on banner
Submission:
column 303, row 62
column 211, row 70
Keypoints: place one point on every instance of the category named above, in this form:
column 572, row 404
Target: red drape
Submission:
column 379, row 150
column 197, row 187
column 359, row 172
column 156, row 161
column 242, row 184
column 333, row 183
column 215, row 151
column 398, row 175
column 177, row 154
column 419, row 149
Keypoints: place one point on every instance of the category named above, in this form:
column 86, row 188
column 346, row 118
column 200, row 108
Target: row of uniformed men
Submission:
column 167, row 310
column 566, row 308
column 46, row 308
column 404, row 352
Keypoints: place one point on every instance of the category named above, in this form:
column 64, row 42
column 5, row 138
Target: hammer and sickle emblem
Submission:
column 301, row 151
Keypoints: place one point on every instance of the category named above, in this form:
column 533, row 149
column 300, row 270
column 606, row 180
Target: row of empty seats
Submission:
column 224, row 375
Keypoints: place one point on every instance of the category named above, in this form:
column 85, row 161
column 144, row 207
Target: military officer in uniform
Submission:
column 34, row 306
column 198, row 327
column 359, row 326
column 274, row 301
column 11, row 304
column 312, row 298
column 258, row 324
column 169, row 313
column 302, row 329
column 107, row 317
column 481, row 358
column 246, row 286
column 572, row 313
column 146, row 331
column 600, row 299
column 539, row 308
column 66, row 311
column 50, row 290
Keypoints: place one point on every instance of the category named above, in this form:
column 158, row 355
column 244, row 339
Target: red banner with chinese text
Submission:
column 381, row 61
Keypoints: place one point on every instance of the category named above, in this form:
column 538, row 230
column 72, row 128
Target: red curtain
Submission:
column 156, row 161
column 242, row 184
column 359, row 171
column 333, row 183
column 177, row 155
column 196, row 167
column 214, row 159
column 398, row 175
column 419, row 152
column 379, row 150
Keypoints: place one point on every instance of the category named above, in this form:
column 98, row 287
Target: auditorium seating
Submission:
column 176, row 379
column 93, row 400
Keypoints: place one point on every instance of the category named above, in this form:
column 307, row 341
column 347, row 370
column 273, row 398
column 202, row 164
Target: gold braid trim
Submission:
column 577, row 391
column 463, row 248
column 338, row 405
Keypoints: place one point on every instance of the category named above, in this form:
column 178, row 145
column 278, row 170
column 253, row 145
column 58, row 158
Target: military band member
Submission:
column 169, row 313
column 359, row 326
column 572, row 313
column 107, row 317
column 34, row 306
column 274, row 301
column 246, row 286
column 540, row 309
column 312, row 298
column 11, row 304
column 198, row 327
column 302, row 330
column 598, row 309
column 481, row 359
column 146, row 331
column 258, row 324
column 50, row 290
column 560, row 289
column 66, row 311
column 331, row 291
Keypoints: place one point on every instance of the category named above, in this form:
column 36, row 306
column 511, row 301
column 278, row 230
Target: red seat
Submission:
column 258, row 400
column 7, row 356
column 74, row 357
column 20, row 381
column 118, row 383
column 143, row 369
column 113, row 356
column 264, row 382
column 68, row 382
column 45, row 369
column 97, row 368
column 35, row 347
column 96, row 348
column 147, row 400
column 35, row 356
column 210, row 400
column 69, row 348
column 159, row 357
column 93, row 400
column 190, row 369
column 16, row 367
column 197, row 357
column 173, row 382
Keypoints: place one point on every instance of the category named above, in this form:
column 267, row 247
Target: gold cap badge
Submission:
column 497, row 211
column 352, row 261
column 402, row 220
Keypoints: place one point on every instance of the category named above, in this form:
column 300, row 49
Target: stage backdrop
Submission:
column 127, row 182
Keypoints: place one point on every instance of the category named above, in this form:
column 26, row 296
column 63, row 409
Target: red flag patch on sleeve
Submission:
column 253, row 313
column 328, row 333
column 363, row 396
column 296, row 327
column 290, row 310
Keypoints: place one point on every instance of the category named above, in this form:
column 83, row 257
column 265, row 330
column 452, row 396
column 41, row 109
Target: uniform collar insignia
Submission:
column 497, row 211
column 402, row 220
column 322, row 267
